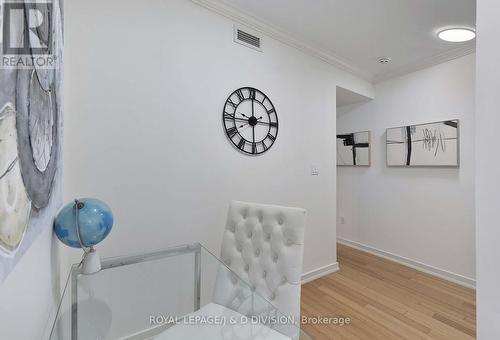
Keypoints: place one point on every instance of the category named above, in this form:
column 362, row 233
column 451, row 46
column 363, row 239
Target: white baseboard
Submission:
column 320, row 272
column 441, row 273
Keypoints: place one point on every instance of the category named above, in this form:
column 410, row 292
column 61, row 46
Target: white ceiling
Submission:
column 354, row 33
column 347, row 97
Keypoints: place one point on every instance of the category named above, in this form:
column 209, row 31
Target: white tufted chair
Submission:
column 263, row 245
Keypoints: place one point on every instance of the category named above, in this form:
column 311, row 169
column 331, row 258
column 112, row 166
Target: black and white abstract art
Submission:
column 432, row 144
column 353, row 149
column 30, row 136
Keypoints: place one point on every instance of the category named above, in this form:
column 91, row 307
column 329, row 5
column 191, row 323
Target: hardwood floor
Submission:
column 385, row 300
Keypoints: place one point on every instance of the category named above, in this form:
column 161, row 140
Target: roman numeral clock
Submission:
column 250, row 120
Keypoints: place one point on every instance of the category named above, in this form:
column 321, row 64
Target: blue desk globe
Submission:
column 95, row 220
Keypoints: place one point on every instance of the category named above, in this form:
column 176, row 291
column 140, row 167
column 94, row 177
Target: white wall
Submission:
column 488, row 170
column 423, row 214
column 145, row 86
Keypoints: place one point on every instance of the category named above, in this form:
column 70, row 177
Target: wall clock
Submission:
column 250, row 120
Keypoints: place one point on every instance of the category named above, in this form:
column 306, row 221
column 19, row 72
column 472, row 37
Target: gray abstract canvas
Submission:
column 353, row 149
column 432, row 144
column 30, row 124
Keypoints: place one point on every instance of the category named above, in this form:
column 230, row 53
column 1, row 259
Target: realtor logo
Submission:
column 27, row 34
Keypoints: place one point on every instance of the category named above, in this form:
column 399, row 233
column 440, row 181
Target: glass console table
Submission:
column 175, row 294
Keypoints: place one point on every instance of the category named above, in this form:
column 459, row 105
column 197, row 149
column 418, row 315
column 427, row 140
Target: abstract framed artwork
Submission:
column 30, row 138
column 424, row 145
column 354, row 149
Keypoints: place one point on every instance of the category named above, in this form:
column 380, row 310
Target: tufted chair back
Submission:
column 263, row 245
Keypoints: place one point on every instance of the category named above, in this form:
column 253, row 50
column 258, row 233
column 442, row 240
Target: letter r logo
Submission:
column 27, row 28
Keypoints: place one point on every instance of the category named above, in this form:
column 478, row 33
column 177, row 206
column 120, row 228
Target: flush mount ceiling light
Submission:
column 457, row 34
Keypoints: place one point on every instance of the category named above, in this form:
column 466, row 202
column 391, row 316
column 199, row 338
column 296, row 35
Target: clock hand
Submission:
column 253, row 126
column 239, row 119
column 246, row 121
column 263, row 123
column 244, row 115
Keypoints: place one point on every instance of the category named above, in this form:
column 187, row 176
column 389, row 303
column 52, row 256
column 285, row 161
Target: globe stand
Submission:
column 91, row 261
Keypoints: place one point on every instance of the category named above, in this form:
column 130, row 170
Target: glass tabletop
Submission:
column 178, row 293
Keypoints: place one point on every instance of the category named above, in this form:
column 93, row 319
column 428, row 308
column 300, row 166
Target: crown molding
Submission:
column 426, row 63
column 278, row 34
column 266, row 28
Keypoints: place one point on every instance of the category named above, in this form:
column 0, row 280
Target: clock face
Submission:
column 250, row 120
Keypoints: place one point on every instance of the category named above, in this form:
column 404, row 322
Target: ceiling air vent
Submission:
column 244, row 37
